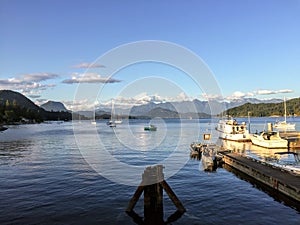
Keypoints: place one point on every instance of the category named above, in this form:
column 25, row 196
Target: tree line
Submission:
column 11, row 112
column 266, row 109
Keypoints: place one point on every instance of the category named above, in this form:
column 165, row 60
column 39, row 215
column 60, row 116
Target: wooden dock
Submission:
column 279, row 180
column 293, row 138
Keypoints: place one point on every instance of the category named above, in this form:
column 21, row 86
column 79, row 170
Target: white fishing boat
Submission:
column 284, row 125
column 270, row 139
column 209, row 157
column 207, row 152
column 230, row 129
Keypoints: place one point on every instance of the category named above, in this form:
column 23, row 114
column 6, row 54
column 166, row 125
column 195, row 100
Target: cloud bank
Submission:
column 29, row 84
column 88, row 65
column 89, row 78
column 240, row 95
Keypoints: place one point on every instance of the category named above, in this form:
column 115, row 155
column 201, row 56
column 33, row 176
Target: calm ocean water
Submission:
column 44, row 178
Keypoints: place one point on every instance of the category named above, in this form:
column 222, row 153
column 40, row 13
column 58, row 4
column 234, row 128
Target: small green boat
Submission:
column 150, row 128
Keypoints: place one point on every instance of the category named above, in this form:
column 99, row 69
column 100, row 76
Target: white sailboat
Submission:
column 112, row 122
column 284, row 125
column 93, row 122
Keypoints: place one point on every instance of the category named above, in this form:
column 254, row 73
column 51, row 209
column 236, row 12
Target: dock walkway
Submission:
column 283, row 181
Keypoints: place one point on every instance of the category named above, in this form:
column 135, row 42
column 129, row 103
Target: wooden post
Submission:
column 152, row 185
column 153, row 204
column 173, row 197
column 153, row 195
column 135, row 198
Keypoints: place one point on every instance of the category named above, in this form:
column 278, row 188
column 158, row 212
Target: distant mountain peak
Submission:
column 54, row 106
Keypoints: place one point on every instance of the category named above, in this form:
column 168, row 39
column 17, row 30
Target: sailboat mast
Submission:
column 284, row 110
column 112, row 109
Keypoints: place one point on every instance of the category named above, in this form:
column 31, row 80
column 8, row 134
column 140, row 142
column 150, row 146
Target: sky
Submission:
column 51, row 49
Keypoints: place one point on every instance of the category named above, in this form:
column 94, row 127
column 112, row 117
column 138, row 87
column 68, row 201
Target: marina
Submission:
column 280, row 171
column 149, row 113
column 42, row 184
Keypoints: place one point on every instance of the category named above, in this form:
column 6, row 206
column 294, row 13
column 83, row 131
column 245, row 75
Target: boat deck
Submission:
column 285, row 182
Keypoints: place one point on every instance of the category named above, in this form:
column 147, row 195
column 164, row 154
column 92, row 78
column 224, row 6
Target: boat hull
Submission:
column 257, row 140
column 285, row 126
column 234, row 137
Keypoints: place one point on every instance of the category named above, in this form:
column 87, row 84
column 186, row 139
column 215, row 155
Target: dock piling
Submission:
column 152, row 186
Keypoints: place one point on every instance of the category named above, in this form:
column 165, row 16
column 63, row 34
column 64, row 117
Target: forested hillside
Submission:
column 16, row 108
column 266, row 109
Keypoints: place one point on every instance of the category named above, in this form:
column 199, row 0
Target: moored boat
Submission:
column 111, row 123
column 196, row 148
column 209, row 157
column 118, row 121
column 270, row 139
column 284, row 125
column 231, row 130
column 150, row 128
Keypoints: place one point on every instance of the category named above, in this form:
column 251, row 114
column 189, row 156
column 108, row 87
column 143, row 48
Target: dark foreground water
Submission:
column 45, row 180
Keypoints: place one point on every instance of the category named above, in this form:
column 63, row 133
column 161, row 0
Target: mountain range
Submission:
column 185, row 107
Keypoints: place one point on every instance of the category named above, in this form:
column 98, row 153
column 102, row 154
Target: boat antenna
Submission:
column 249, row 121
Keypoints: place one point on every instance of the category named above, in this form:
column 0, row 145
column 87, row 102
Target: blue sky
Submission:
column 252, row 47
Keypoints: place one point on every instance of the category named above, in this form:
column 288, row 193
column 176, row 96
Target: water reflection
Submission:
column 12, row 150
column 254, row 151
column 238, row 147
column 278, row 196
column 154, row 218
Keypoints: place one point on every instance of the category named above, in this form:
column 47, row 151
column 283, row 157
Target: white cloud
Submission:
column 38, row 77
column 272, row 92
column 212, row 97
column 239, row 95
column 79, row 105
column 89, row 78
column 88, row 65
column 145, row 98
column 28, row 84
